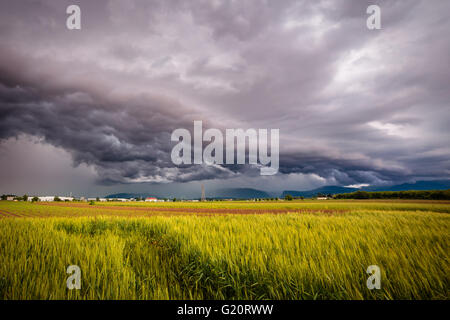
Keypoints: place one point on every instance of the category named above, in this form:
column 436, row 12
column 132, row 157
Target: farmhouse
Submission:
column 10, row 198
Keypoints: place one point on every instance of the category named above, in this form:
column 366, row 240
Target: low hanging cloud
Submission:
column 354, row 106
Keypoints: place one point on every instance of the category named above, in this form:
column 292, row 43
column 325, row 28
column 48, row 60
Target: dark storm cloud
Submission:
column 352, row 105
column 126, row 138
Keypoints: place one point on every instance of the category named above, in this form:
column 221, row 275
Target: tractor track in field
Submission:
column 7, row 214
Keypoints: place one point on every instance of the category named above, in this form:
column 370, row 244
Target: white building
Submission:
column 47, row 198
column 66, row 198
column 51, row 198
column 151, row 199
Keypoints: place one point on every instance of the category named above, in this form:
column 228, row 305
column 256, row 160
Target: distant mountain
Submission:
column 249, row 193
column 323, row 190
column 238, row 193
column 418, row 185
column 230, row 193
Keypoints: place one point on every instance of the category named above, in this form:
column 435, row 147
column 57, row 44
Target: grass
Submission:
column 306, row 255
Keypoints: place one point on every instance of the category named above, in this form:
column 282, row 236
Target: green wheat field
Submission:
column 225, row 250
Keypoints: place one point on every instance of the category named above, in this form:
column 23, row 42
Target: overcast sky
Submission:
column 91, row 111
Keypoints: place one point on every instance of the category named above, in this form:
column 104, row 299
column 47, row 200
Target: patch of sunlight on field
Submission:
column 255, row 256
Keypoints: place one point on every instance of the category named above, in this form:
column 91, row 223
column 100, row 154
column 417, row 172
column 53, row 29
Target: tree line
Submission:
column 410, row 194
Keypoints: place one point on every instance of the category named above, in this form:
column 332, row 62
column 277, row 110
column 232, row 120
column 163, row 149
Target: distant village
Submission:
column 146, row 199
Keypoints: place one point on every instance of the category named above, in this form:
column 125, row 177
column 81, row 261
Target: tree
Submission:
column 25, row 197
column 56, row 199
column 98, row 199
column 288, row 197
column 35, row 199
column 4, row 197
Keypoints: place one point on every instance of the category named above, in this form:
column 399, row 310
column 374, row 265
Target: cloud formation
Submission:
column 354, row 106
